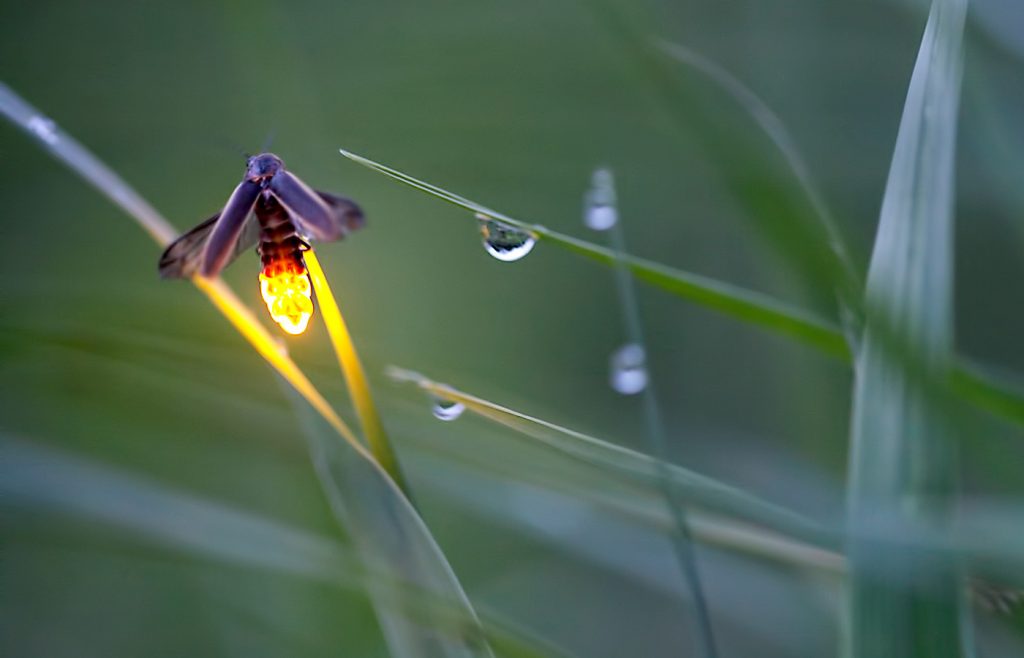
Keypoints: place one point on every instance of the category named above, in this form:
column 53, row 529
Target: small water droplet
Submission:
column 599, row 211
column 447, row 410
column 629, row 369
column 601, row 218
column 504, row 242
column 43, row 128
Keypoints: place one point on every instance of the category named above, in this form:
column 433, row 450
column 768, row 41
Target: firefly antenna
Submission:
column 268, row 141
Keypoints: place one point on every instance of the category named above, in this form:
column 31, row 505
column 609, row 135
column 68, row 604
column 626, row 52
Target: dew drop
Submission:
column 629, row 369
column 599, row 211
column 504, row 242
column 43, row 128
column 447, row 410
column 601, row 218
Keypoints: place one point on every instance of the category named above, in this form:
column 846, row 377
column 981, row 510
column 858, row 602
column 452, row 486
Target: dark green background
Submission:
column 512, row 104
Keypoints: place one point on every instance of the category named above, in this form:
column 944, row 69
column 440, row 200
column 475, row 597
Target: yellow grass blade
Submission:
column 66, row 149
column 355, row 376
column 271, row 350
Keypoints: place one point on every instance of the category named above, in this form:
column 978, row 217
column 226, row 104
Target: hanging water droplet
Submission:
column 599, row 211
column 504, row 242
column 447, row 410
column 43, row 128
column 629, row 369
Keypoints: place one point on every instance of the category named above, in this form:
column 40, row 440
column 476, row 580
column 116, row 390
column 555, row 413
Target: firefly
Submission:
column 273, row 210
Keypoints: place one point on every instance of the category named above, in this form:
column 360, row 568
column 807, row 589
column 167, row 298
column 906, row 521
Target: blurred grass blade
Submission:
column 389, row 534
column 89, row 167
column 63, row 147
column 38, row 475
column 776, row 208
column 983, row 389
column 997, row 395
column 747, row 305
column 360, row 465
column 34, row 476
column 681, row 536
column 355, row 377
column 694, row 488
column 774, row 128
column 902, row 470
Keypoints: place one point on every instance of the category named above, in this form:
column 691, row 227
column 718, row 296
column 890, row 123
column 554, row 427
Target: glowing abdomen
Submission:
column 284, row 282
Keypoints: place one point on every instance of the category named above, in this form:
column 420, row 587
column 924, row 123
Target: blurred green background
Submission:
column 512, row 105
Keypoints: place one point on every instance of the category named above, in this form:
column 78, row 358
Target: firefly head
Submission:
column 263, row 167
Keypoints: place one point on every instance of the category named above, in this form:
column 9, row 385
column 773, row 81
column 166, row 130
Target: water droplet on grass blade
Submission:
column 629, row 369
column 601, row 218
column 504, row 242
column 45, row 129
column 599, row 211
column 447, row 410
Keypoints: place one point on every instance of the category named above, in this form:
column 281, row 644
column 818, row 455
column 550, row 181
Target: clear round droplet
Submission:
column 629, row 369
column 600, row 218
column 504, row 242
column 447, row 410
column 599, row 211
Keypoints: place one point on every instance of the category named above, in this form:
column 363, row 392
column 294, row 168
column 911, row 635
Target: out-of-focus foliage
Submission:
column 513, row 105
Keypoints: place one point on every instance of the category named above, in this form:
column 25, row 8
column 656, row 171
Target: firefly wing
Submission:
column 182, row 258
column 346, row 214
column 221, row 246
column 311, row 213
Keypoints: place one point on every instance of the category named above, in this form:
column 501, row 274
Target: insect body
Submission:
column 279, row 214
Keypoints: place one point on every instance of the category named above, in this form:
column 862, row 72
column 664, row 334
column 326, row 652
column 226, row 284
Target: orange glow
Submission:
column 288, row 295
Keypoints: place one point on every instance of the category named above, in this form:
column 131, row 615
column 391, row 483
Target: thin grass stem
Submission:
column 681, row 538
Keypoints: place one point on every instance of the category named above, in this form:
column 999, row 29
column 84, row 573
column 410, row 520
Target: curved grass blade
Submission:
column 90, row 168
column 773, row 127
column 61, row 146
column 695, row 489
column 355, row 377
column 983, row 389
column 389, row 535
column 902, row 470
column 777, row 209
column 206, row 529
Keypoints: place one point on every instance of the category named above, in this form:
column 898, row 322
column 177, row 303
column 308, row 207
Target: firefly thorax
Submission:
column 263, row 167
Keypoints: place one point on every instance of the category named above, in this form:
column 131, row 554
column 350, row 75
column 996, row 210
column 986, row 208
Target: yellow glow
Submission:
column 288, row 295
column 267, row 346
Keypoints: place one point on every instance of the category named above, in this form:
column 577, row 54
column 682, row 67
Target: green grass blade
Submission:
column 747, row 305
column 695, row 489
column 775, row 129
column 199, row 527
column 902, row 469
column 778, row 209
column 390, row 535
column 66, row 149
column 998, row 396
column 983, row 389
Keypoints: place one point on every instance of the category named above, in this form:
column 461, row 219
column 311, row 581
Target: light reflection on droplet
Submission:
column 599, row 211
column 43, row 128
column 629, row 369
column 447, row 410
column 504, row 242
